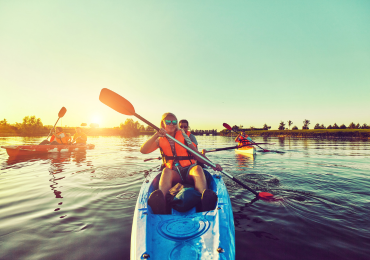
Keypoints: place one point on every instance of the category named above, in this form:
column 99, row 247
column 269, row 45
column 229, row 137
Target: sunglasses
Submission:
column 174, row 122
column 183, row 126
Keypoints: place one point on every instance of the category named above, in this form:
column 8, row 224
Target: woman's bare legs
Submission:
column 197, row 175
column 167, row 178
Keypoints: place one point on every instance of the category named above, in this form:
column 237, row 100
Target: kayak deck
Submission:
column 188, row 235
column 246, row 150
column 20, row 150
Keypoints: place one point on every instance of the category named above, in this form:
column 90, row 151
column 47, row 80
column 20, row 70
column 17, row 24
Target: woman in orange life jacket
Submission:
column 182, row 169
column 59, row 137
column 242, row 139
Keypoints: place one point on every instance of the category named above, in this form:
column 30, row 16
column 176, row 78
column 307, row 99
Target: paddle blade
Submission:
column 265, row 195
column 62, row 112
column 227, row 126
column 115, row 101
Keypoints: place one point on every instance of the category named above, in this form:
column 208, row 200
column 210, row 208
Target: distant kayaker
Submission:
column 79, row 137
column 181, row 168
column 242, row 139
column 59, row 137
column 184, row 124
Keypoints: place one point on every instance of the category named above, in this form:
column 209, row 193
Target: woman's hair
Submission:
column 162, row 125
column 184, row 121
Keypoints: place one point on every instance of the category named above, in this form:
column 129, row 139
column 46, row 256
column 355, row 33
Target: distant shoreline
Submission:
column 313, row 133
column 310, row 133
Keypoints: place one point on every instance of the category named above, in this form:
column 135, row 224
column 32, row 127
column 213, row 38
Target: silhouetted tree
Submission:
column 3, row 122
column 290, row 123
column 305, row 124
column 30, row 125
column 352, row 126
column 282, row 125
column 317, row 126
column 364, row 126
column 265, row 127
column 295, row 128
column 343, row 126
column 335, row 126
column 329, row 127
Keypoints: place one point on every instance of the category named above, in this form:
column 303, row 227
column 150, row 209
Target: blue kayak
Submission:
column 183, row 235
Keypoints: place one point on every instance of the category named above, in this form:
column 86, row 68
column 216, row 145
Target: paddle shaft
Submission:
column 196, row 154
column 53, row 128
column 230, row 147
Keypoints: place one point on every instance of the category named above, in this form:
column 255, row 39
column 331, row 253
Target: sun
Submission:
column 96, row 119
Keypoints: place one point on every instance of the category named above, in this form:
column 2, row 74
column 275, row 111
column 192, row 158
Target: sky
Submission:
column 211, row 62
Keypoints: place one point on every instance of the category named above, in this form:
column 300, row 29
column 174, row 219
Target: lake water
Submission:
column 80, row 205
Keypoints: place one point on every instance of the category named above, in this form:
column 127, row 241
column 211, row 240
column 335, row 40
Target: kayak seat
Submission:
column 185, row 199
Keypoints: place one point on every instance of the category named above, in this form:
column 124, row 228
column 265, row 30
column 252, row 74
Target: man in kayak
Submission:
column 179, row 166
column 184, row 124
column 79, row 137
column 59, row 137
column 242, row 139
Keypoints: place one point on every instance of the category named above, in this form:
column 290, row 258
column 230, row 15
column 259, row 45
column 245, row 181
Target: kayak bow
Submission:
column 183, row 235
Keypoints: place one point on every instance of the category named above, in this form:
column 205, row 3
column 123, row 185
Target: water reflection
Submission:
column 244, row 160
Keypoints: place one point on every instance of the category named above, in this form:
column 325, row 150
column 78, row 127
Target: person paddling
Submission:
column 79, row 137
column 184, row 124
column 59, row 137
column 179, row 166
column 242, row 139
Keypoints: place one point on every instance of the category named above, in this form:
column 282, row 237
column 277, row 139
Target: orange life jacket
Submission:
column 242, row 140
column 182, row 155
column 63, row 140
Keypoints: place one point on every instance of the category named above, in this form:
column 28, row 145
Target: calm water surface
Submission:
column 80, row 205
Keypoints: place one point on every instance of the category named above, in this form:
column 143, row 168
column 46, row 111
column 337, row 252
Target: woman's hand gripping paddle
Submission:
column 61, row 113
column 123, row 106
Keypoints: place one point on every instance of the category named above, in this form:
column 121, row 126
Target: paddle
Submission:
column 61, row 113
column 123, row 106
column 231, row 147
column 157, row 158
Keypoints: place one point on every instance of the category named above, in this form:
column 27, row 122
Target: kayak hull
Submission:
column 187, row 235
column 22, row 150
column 246, row 150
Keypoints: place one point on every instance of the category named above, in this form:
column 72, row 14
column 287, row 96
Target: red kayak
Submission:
column 19, row 150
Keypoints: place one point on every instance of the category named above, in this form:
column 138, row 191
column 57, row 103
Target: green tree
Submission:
column 130, row 128
column 30, row 125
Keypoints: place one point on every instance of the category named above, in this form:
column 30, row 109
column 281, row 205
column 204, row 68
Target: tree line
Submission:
column 307, row 122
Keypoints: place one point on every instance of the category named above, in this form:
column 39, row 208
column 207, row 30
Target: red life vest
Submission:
column 182, row 155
